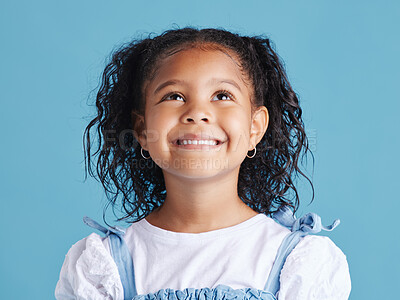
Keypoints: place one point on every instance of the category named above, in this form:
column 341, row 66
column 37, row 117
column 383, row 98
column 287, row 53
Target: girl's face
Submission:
column 200, row 96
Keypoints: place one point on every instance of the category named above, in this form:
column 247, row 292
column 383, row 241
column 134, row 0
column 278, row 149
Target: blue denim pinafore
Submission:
column 309, row 223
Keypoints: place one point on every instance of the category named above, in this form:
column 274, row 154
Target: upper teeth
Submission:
column 198, row 142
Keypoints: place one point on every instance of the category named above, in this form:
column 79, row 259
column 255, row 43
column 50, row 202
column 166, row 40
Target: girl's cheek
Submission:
column 237, row 130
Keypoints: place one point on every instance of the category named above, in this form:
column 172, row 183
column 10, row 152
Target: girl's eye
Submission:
column 224, row 95
column 173, row 97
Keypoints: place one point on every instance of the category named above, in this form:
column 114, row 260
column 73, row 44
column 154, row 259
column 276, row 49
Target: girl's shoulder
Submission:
column 315, row 269
column 89, row 272
column 309, row 266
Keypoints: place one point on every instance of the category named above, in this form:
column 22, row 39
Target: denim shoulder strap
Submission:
column 121, row 255
column 309, row 223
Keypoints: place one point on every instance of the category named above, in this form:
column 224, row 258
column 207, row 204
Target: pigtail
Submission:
column 119, row 165
column 285, row 140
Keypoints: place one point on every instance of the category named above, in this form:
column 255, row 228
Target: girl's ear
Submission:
column 259, row 126
column 139, row 129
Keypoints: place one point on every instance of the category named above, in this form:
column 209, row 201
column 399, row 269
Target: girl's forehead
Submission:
column 200, row 59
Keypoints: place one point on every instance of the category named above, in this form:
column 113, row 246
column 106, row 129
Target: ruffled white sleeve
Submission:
column 316, row 269
column 89, row 272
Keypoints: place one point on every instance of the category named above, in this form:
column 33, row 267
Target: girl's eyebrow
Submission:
column 222, row 80
column 211, row 81
column 167, row 83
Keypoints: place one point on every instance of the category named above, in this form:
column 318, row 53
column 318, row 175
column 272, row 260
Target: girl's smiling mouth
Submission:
column 197, row 141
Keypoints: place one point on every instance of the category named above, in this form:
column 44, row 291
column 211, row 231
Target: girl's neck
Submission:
column 194, row 206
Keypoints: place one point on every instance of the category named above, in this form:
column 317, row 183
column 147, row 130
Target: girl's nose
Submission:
column 197, row 113
column 196, row 119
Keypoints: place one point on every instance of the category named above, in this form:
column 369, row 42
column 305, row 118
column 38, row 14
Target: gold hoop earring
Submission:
column 255, row 151
column 141, row 152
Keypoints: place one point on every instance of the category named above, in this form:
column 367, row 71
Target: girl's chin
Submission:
column 196, row 167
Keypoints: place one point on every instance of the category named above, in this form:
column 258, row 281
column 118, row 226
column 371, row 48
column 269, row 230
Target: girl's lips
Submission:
column 198, row 146
column 193, row 136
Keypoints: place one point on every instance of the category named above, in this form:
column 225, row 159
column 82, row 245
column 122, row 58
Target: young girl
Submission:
column 200, row 135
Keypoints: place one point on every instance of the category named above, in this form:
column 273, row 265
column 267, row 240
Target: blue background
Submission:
column 342, row 60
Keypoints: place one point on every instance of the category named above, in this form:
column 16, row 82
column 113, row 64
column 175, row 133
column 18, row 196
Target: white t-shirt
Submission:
column 239, row 256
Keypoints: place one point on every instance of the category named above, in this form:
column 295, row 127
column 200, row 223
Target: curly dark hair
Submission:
column 266, row 182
